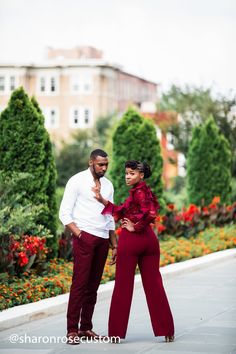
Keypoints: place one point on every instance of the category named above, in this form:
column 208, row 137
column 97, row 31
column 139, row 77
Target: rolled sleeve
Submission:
column 112, row 225
column 67, row 203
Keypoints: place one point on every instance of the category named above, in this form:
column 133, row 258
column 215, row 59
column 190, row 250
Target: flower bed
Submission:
column 190, row 221
column 32, row 287
column 208, row 241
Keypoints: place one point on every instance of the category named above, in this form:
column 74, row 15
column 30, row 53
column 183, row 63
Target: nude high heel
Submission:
column 169, row 339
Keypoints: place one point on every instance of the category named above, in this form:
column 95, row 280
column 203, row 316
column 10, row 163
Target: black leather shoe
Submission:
column 73, row 338
column 89, row 334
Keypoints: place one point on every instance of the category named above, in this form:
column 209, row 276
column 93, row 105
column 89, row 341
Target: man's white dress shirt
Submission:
column 79, row 205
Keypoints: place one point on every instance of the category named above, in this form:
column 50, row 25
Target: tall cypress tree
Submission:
column 50, row 216
column 23, row 142
column 135, row 139
column 208, row 165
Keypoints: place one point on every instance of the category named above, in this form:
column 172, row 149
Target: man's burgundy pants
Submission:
column 90, row 253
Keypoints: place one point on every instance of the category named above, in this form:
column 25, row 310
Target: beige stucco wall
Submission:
column 112, row 92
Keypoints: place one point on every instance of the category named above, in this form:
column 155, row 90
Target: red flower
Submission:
column 160, row 228
column 178, row 217
column 118, row 231
column 205, row 211
column 23, row 259
column 187, row 217
column 171, row 206
column 15, row 245
column 193, row 209
column 158, row 218
column 212, row 206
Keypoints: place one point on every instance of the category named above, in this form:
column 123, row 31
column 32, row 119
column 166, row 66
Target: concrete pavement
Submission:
column 203, row 302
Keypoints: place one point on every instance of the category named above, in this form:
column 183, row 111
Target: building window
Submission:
column 87, row 87
column 53, row 84
column 76, row 117
column 2, row 83
column 42, row 84
column 81, row 84
column 51, row 118
column 12, row 83
column 75, row 84
column 80, row 117
column 87, row 116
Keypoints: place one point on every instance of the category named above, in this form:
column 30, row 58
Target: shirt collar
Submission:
column 89, row 173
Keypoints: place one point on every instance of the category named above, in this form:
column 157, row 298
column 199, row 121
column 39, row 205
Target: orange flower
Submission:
column 215, row 200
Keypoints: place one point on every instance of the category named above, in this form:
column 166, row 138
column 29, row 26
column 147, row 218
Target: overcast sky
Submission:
column 167, row 41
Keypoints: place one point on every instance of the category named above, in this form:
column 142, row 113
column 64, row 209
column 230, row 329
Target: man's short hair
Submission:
column 97, row 152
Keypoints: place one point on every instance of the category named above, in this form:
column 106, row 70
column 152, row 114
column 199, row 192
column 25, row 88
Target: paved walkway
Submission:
column 204, row 308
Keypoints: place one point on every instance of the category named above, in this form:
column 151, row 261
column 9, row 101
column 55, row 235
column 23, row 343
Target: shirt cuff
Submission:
column 66, row 220
column 112, row 225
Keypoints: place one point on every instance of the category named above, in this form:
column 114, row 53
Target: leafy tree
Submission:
column 195, row 105
column 135, row 139
column 74, row 157
column 103, row 126
column 208, row 165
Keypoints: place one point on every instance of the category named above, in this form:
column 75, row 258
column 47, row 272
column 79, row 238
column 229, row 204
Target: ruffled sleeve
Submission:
column 148, row 207
column 116, row 211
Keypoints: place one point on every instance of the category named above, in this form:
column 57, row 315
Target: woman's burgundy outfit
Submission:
column 139, row 247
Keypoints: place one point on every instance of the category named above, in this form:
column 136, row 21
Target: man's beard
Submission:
column 98, row 174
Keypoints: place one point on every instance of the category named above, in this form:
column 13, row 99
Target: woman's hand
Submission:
column 128, row 224
column 97, row 191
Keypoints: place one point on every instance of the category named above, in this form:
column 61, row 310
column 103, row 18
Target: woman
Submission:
column 137, row 244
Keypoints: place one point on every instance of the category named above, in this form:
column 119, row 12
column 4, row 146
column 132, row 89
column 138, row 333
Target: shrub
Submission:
column 16, row 219
column 27, row 252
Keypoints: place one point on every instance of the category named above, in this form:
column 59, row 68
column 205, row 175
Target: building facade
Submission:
column 74, row 88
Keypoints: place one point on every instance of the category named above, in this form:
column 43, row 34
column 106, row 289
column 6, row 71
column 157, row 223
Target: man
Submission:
column 80, row 212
